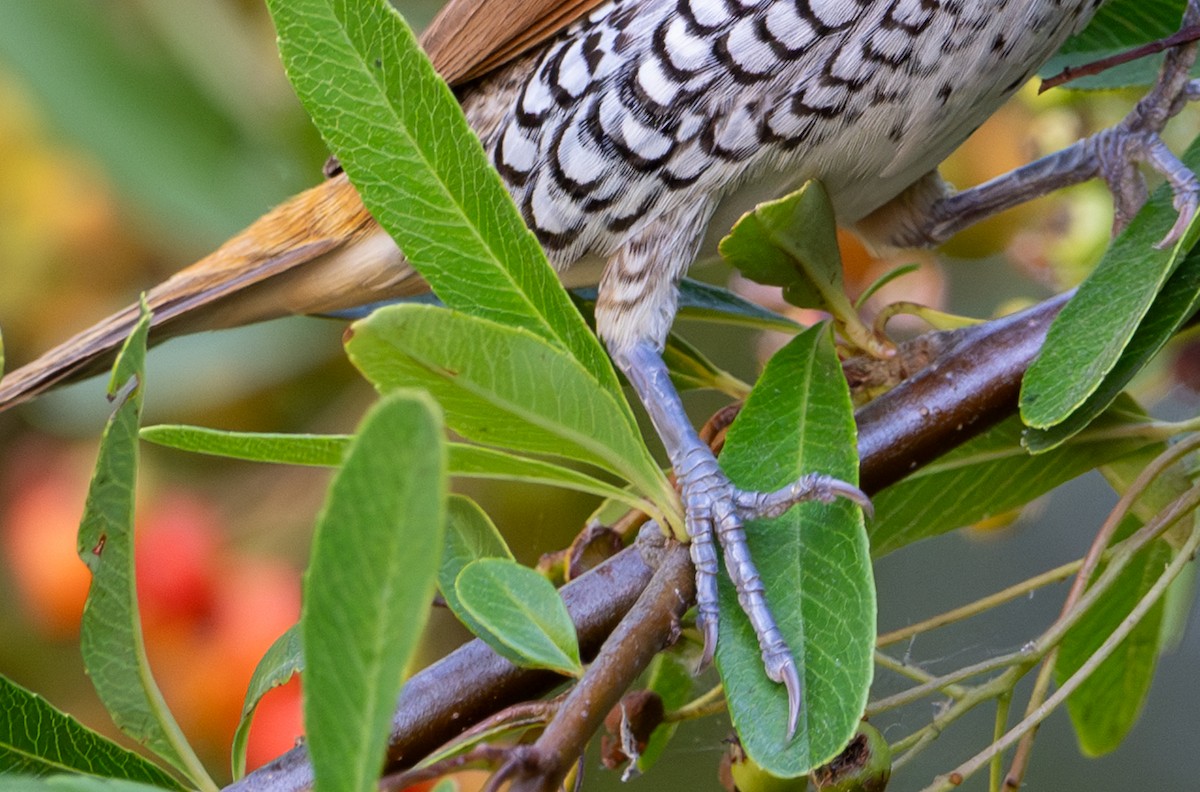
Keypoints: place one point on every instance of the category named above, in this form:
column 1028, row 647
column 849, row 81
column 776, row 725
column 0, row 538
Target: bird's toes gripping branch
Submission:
column 1137, row 139
column 715, row 513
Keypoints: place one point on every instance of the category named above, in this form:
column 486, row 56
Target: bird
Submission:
column 628, row 132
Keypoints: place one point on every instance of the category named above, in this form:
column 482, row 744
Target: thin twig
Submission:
column 1183, row 36
column 916, row 674
column 644, row 631
column 981, row 605
column 710, row 702
column 480, row 754
column 996, row 771
column 1091, row 561
column 1149, row 600
column 1018, row 663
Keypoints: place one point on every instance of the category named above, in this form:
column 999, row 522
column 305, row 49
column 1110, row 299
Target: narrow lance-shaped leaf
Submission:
column 1091, row 333
column 283, row 660
column 369, row 586
column 72, row 783
column 814, row 563
column 1173, row 306
column 402, row 138
column 468, row 461
column 37, row 739
column 990, row 475
column 111, row 640
column 1105, row 707
column 492, row 382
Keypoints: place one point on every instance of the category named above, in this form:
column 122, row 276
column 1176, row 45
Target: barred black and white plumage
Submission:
column 653, row 111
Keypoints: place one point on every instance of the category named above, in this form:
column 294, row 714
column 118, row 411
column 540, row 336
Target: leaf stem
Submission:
column 915, row 673
column 710, row 702
column 982, row 605
column 1091, row 561
column 996, row 770
column 950, row 781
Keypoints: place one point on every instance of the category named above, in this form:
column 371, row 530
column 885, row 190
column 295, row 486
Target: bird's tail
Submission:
column 320, row 252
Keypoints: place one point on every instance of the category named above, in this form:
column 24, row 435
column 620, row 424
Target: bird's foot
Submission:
column 716, row 512
column 1137, row 140
column 929, row 213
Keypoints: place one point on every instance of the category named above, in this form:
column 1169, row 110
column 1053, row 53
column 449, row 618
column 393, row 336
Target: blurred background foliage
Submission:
column 138, row 135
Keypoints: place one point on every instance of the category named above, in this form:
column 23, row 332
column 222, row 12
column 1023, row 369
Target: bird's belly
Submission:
column 641, row 115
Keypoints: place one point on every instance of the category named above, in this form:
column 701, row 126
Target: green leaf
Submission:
column 492, row 382
column 472, row 461
column 521, row 615
column 707, row 303
column 71, row 783
column 990, row 475
column 814, row 563
column 672, row 678
column 402, row 138
column 470, row 536
column 1173, row 306
column 284, row 449
column 1088, row 337
column 283, row 660
column 368, row 587
column 1118, row 26
column 467, row 461
column 1105, row 707
column 792, row 242
column 111, row 641
column 37, row 739
column 691, row 369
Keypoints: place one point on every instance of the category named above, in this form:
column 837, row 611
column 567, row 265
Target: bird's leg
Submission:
column 1112, row 154
column 715, row 511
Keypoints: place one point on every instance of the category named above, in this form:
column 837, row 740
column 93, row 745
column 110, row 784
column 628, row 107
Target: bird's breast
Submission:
column 646, row 104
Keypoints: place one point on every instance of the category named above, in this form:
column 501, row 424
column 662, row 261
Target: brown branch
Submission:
column 970, row 388
column 1181, row 37
column 647, row 629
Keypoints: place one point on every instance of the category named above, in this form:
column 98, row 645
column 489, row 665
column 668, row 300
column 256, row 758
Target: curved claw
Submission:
column 1184, row 185
column 853, row 494
column 790, row 678
column 708, row 628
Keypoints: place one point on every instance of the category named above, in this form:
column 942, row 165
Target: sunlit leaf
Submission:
column 520, row 615
column 401, row 136
column 283, row 660
column 814, row 563
column 111, row 640
column 1087, row 340
column 470, row 536
column 37, row 739
column 369, row 585
column 492, row 380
